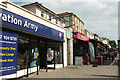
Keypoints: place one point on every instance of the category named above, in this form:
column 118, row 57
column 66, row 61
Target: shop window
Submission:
column 27, row 50
column 23, row 48
column 54, row 51
column 100, row 50
column 58, row 55
column 50, row 56
column 34, row 52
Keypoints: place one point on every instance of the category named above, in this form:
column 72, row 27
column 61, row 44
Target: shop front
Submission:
column 100, row 52
column 80, row 50
column 27, row 46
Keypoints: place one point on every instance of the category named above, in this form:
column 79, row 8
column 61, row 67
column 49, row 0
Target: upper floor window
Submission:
column 77, row 28
column 76, row 21
column 60, row 24
column 50, row 18
column 56, row 21
column 81, row 30
column 42, row 14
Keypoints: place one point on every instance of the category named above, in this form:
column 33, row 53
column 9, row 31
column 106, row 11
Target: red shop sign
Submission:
column 80, row 36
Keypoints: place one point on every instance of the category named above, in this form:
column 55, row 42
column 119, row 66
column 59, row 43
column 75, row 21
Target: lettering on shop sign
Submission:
column 5, row 37
column 83, row 37
column 13, row 20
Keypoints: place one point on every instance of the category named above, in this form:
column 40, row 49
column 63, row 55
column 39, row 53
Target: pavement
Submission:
column 85, row 71
column 108, row 71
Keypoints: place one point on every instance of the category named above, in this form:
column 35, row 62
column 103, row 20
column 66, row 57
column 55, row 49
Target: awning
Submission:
column 100, row 45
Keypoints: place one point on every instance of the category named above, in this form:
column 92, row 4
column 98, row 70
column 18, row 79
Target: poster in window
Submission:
column 8, row 53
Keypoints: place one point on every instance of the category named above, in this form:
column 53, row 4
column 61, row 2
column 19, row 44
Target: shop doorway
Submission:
column 43, row 54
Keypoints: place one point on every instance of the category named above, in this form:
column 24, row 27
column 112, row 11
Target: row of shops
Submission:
column 29, row 43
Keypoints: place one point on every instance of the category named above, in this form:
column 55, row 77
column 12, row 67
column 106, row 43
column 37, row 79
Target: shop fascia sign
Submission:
column 83, row 37
column 22, row 23
column 13, row 20
column 68, row 34
column 80, row 36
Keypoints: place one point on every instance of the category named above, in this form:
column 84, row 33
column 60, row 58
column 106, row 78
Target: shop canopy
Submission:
column 100, row 45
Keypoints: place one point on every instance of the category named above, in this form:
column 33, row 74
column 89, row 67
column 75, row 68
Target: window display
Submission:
column 34, row 56
column 28, row 51
column 34, row 52
column 50, row 55
column 54, row 50
column 24, row 46
column 57, row 55
column 23, row 49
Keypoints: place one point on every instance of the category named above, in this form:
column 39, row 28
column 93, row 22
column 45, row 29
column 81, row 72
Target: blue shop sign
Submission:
column 8, row 53
column 13, row 20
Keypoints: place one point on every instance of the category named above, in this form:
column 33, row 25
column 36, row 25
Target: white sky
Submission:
column 99, row 16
